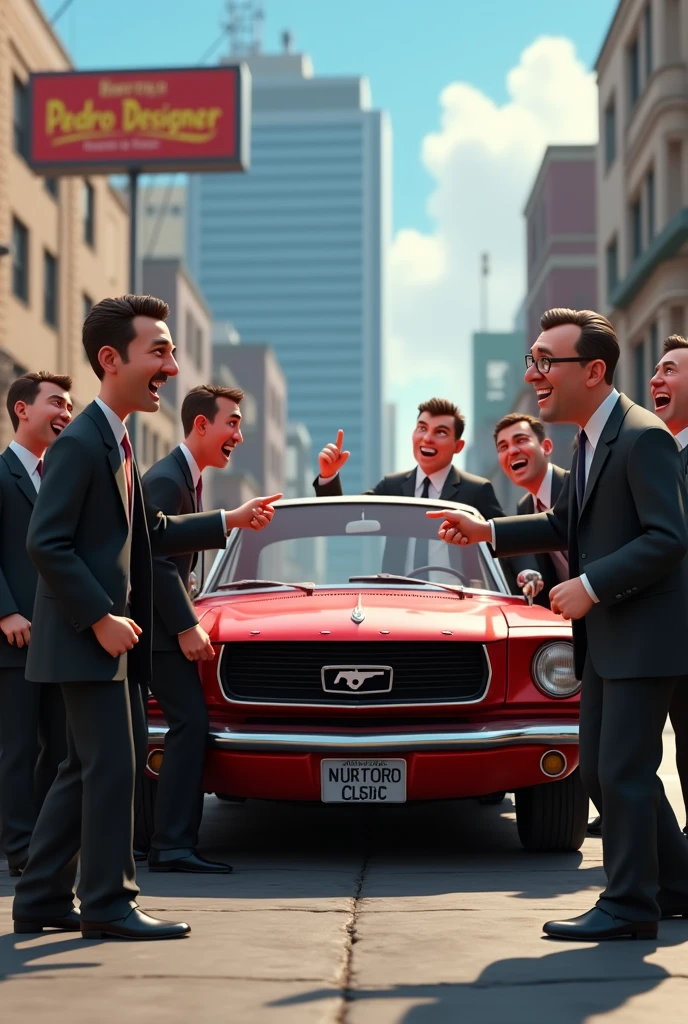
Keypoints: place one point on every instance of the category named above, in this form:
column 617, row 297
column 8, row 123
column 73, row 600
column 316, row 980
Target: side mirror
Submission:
column 194, row 588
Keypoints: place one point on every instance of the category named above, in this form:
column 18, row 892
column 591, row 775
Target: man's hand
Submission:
column 570, row 599
column 195, row 644
column 461, row 527
column 332, row 458
column 17, row 629
column 116, row 634
column 252, row 515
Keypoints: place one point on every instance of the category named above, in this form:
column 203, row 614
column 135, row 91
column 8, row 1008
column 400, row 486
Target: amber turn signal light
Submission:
column 553, row 763
column 154, row 762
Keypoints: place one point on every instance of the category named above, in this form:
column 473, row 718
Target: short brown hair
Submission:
column 202, row 401
column 443, row 407
column 26, row 388
column 111, row 322
column 597, row 339
column 673, row 342
column 512, row 418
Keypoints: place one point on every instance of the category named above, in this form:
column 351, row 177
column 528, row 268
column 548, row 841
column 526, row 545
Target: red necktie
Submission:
column 199, row 495
column 128, row 471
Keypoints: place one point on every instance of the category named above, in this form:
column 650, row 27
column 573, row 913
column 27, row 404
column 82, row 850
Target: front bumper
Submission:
column 283, row 763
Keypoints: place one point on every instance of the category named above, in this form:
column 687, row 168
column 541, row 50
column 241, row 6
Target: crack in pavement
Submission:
column 346, row 974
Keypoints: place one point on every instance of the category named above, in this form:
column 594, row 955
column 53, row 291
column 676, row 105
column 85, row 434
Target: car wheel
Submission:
column 491, row 799
column 553, row 816
column 144, row 818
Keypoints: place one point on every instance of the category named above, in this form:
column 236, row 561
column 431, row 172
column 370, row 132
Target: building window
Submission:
column 52, row 186
column 21, row 119
column 612, row 267
column 636, row 230
column 610, row 133
column 649, row 43
column 50, row 288
column 654, row 346
column 20, row 260
column 672, row 31
column 675, row 176
column 87, row 304
column 639, row 369
column 677, row 320
column 89, row 214
column 634, row 73
column 650, row 200
column 154, row 453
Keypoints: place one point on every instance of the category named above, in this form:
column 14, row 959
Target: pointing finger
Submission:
column 340, row 440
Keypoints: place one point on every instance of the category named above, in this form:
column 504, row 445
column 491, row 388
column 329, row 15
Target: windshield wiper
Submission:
column 307, row 588
column 388, row 577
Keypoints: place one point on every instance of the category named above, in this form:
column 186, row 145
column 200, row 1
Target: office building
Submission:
column 642, row 182
column 67, row 236
column 294, row 251
column 162, row 219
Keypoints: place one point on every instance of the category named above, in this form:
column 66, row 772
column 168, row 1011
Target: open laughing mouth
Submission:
column 428, row 453
column 543, row 394
column 57, row 427
column 661, row 400
column 155, row 383
column 518, row 464
column 227, row 448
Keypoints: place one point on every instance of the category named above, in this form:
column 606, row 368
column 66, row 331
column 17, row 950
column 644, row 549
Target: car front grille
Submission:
column 290, row 672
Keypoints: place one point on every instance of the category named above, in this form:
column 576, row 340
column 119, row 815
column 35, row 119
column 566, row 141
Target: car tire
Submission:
column 144, row 818
column 553, row 817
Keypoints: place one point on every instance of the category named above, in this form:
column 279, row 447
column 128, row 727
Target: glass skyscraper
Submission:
column 293, row 252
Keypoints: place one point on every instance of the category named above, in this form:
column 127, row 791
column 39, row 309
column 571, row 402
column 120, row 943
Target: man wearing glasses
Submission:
column 622, row 517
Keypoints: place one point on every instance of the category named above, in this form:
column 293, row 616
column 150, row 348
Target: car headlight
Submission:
column 552, row 670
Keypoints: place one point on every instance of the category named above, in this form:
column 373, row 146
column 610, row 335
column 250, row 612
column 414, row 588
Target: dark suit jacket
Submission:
column 81, row 544
column 459, row 486
column 630, row 540
column 18, row 576
column 168, row 485
column 545, row 565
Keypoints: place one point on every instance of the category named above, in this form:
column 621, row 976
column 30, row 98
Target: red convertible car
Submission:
column 346, row 674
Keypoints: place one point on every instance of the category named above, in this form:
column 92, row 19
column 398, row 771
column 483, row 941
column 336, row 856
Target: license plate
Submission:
column 363, row 782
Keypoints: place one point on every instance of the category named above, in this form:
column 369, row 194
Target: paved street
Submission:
column 420, row 915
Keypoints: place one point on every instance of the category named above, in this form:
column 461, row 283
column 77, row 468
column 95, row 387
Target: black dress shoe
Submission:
column 71, row 922
column 595, row 827
column 136, row 925
column 597, row 925
column 140, row 855
column 192, row 864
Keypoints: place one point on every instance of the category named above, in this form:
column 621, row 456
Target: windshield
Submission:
column 328, row 543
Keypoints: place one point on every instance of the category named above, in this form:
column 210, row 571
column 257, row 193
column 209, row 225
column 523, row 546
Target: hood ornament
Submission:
column 358, row 615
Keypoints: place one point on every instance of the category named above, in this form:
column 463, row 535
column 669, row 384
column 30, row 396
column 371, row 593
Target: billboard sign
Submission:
column 109, row 122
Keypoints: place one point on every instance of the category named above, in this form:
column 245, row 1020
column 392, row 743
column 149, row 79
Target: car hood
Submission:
column 397, row 613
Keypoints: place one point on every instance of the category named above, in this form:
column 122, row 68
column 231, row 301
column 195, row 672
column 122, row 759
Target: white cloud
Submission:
column 483, row 159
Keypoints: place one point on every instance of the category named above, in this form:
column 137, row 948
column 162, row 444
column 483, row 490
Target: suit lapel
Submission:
column 180, row 459
column 114, row 454
column 20, row 475
column 408, row 485
column 451, row 485
column 608, row 436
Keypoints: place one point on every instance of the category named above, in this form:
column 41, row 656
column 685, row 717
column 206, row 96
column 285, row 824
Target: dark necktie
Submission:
column 421, row 555
column 684, row 459
column 39, row 469
column 128, row 470
column 199, row 495
column 580, row 469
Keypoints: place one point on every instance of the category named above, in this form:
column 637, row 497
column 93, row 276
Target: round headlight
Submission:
column 553, row 670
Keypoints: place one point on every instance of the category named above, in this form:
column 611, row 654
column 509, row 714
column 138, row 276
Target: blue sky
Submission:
column 409, row 49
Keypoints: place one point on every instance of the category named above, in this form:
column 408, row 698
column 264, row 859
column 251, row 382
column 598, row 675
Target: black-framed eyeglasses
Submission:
column 544, row 362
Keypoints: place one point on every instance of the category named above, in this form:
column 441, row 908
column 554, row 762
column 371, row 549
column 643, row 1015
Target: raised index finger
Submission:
column 340, row 440
column 442, row 513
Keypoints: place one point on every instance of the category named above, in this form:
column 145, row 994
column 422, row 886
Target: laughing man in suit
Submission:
column 524, row 451
column 211, row 419
column 33, row 738
column 91, row 537
column 622, row 518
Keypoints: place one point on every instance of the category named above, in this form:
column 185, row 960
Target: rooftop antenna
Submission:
column 245, row 26
column 484, row 274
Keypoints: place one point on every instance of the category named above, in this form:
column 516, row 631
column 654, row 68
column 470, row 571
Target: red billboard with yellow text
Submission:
column 183, row 119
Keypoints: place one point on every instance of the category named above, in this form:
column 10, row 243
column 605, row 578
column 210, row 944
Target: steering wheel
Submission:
column 440, row 568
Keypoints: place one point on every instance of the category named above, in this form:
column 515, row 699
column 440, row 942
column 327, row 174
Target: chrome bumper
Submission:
column 468, row 737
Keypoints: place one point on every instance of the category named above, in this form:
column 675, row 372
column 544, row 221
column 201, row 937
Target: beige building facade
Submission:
column 642, row 182
column 67, row 238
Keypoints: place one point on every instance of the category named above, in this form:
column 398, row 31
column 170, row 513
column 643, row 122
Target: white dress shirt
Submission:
column 28, row 461
column 544, row 494
column 438, row 551
column 116, row 424
column 682, row 438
